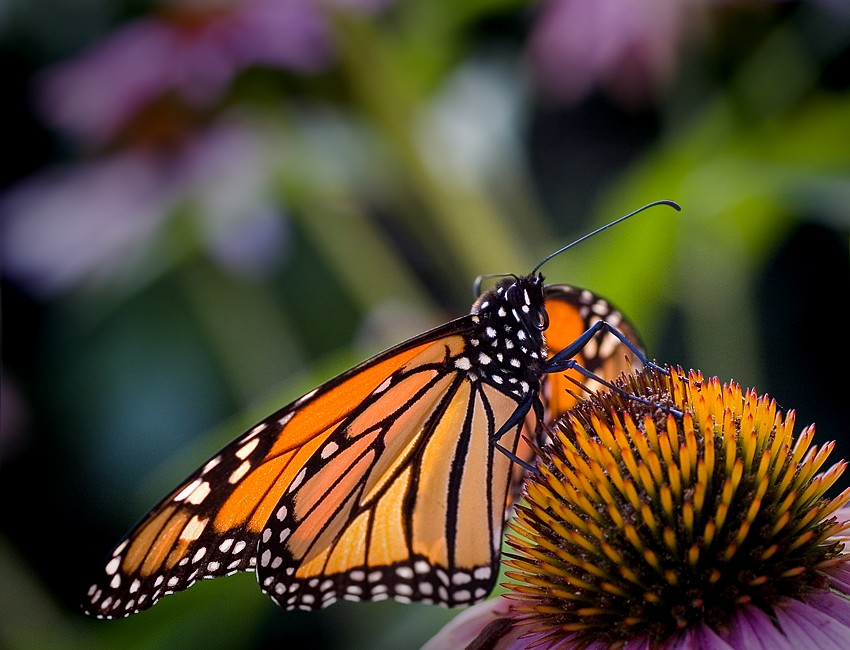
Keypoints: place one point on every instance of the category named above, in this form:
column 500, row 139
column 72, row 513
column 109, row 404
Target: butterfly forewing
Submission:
column 210, row 525
column 572, row 311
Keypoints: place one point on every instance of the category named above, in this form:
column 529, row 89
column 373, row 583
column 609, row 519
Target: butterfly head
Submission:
column 521, row 300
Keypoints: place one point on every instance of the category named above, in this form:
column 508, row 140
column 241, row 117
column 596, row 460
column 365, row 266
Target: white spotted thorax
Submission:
column 509, row 350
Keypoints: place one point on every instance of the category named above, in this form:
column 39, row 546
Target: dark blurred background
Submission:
column 208, row 208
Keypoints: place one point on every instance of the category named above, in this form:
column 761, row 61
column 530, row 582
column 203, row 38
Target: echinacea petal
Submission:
column 699, row 638
column 752, row 628
column 808, row 627
column 466, row 626
column 833, row 605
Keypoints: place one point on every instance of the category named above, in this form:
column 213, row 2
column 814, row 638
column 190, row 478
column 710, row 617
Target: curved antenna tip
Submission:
column 668, row 202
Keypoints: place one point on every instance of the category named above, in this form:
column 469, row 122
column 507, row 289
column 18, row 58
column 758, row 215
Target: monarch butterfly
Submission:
column 386, row 481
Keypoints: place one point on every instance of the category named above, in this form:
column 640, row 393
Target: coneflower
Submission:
column 688, row 517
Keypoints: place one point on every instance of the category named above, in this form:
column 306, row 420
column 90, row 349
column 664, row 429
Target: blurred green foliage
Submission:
column 420, row 154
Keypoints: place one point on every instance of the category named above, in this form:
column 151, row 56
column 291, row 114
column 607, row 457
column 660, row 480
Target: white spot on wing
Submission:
column 297, row 480
column 239, row 472
column 112, row 567
column 246, row 449
column 199, row 493
column 383, row 386
column 257, row 429
column 307, row 396
column 186, row 491
column 463, row 363
column 482, row 573
column 461, row 578
column 212, row 463
column 329, row 449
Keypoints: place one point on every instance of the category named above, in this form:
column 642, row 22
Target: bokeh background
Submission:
column 209, row 207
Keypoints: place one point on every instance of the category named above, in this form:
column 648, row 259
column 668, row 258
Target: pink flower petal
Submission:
column 466, row 626
column 94, row 95
column 68, row 226
column 810, row 627
column 839, row 577
column 700, row 638
column 833, row 605
column 751, row 628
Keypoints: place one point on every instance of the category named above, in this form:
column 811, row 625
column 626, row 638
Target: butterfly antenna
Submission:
column 672, row 204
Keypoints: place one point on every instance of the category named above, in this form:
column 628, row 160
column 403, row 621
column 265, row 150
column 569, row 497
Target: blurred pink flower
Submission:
column 150, row 93
column 629, row 48
column 97, row 222
column 190, row 49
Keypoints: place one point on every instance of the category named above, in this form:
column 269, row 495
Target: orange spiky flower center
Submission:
column 646, row 519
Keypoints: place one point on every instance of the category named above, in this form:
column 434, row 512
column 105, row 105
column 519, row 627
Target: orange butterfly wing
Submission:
column 572, row 311
column 383, row 482
column 408, row 503
column 211, row 524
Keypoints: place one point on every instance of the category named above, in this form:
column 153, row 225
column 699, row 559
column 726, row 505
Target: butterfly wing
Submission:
column 212, row 523
column 572, row 311
column 406, row 497
column 408, row 503
column 383, row 482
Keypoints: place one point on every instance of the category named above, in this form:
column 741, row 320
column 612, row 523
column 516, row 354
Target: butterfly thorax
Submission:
column 507, row 348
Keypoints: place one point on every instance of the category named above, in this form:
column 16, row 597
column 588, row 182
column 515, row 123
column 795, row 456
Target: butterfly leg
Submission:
column 564, row 360
column 515, row 420
column 561, row 360
column 572, row 364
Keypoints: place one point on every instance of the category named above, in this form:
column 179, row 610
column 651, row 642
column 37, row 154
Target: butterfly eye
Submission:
column 544, row 321
column 512, row 294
